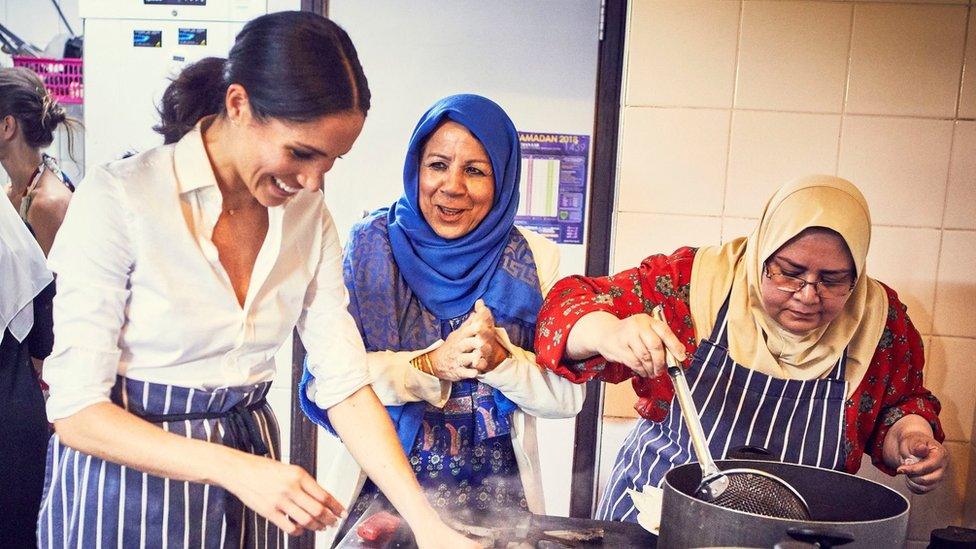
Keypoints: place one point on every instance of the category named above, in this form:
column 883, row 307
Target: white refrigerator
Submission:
column 133, row 48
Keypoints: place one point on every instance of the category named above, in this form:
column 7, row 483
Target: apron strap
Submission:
column 840, row 369
column 720, row 330
column 240, row 422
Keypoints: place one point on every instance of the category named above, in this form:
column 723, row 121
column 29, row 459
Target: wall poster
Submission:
column 553, row 185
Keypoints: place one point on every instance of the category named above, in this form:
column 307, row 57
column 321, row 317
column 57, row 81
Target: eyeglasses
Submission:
column 792, row 284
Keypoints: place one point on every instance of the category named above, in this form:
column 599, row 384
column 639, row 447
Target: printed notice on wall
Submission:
column 553, row 185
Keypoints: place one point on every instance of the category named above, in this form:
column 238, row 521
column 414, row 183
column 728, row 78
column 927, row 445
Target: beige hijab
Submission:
column 756, row 340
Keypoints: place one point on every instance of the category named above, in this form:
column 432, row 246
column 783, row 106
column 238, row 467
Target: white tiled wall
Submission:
column 726, row 100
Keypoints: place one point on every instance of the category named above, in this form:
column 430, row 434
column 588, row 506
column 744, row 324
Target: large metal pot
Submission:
column 845, row 509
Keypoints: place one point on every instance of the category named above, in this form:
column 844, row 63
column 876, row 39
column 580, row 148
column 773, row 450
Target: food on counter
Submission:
column 379, row 528
column 589, row 534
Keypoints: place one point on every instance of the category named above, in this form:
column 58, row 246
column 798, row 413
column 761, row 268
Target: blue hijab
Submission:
column 448, row 276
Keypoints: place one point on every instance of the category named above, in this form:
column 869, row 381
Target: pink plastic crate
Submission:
column 62, row 77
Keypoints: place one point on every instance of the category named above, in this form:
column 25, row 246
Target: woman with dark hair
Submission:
column 181, row 272
column 790, row 346
column 445, row 290
column 25, row 326
column 38, row 188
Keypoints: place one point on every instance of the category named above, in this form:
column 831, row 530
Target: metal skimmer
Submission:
column 748, row 490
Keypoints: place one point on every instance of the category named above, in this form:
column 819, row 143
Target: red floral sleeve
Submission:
column 660, row 279
column 891, row 389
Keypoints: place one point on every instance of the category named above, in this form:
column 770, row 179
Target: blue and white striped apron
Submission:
column 92, row 503
column 797, row 421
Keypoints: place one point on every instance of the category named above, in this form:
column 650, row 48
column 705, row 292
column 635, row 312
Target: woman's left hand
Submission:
column 924, row 460
column 911, row 449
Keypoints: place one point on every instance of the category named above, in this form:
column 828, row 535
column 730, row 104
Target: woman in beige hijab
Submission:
column 788, row 345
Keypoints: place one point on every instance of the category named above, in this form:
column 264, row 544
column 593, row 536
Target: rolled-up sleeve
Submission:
column 336, row 354
column 397, row 382
column 536, row 390
column 93, row 259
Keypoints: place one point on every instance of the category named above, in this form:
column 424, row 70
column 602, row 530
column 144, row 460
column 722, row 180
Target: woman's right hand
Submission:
column 637, row 342
column 284, row 494
column 466, row 352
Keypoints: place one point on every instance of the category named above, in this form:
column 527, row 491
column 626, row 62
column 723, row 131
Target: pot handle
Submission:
column 820, row 537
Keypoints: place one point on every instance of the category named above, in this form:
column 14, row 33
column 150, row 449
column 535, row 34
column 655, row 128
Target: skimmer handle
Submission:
column 688, row 410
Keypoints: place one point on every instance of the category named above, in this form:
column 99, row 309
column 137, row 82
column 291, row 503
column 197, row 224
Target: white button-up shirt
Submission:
column 142, row 292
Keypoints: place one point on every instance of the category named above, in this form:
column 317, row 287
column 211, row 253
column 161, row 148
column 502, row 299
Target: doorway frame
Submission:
column 610, row 68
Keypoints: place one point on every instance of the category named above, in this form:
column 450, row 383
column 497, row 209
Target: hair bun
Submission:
column 52, row 112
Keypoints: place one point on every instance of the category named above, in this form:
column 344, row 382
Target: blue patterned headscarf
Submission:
column 449, row 275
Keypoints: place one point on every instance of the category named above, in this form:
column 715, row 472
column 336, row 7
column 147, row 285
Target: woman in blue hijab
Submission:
column 445, row 291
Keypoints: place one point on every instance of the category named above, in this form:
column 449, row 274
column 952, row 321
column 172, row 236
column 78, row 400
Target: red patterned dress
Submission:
column 891, row 388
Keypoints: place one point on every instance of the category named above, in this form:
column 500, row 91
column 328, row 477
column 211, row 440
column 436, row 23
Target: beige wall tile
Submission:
column 906, row 59
column 956, row 292
column 793, row 56
column 734, row 227
column 673, row 160
column 682, row 53
column 961, row 200
column 950, row 375
column 768, row 149
column 619, row 400
column 906, row 259
column 967, row 100
column 943, row 505
column 900, row 164
column 639, row 235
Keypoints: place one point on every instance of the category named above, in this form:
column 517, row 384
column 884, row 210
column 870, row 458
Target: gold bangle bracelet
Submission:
column 422, row 363
column 429, row 367
column 416, row 363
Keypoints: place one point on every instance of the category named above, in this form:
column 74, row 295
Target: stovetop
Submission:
column 615, row 534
